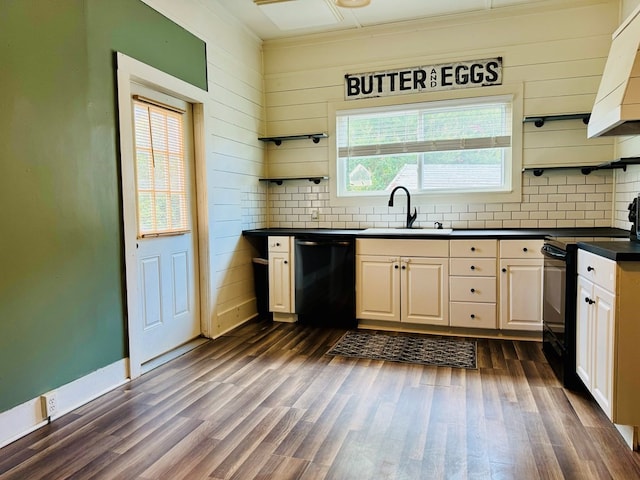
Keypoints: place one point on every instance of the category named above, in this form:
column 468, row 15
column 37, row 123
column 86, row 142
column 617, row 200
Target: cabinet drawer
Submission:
column 474, row 248
column 405, row 248
column 474, row 315
column 472, row 289
column 278, row 244
column 599, row 270
column 521, row 248
column 472, row 267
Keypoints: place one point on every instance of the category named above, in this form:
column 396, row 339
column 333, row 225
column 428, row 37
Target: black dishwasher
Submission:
column 325, row 281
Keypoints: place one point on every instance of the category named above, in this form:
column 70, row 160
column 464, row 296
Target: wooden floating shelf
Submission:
column 620, row 163
column 280, row 180
column 540, row 120
column 278, row 140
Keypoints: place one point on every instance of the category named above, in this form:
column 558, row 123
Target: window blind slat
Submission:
column 160, row 170
column 425, row 146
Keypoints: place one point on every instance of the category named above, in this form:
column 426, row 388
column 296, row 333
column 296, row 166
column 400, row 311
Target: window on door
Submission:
column 162, row 193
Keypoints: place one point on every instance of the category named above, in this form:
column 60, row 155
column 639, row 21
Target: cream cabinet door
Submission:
column 424, row 290
column 378, row 287
column 603, row 333
column 595, row 342
column 279, row 282
column 521, row 294
column 584, row 336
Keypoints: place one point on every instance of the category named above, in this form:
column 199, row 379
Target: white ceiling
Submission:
column 287, row 18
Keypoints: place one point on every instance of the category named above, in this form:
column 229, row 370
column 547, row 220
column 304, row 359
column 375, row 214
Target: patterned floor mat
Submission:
column 447, row 352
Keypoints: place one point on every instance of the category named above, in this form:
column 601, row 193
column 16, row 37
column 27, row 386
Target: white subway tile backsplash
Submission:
column 547, row 201
column 557, row 215
column 576, row 197
column 567, row 188
column 586, row 188
column 558, row 180
column 476, row 207
column 538, row 215
column 547, row 206
column 575, row 215
column 576, row 179
column 558, row 198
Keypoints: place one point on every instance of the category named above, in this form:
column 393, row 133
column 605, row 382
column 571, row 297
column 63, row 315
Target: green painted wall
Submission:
column 62, row 307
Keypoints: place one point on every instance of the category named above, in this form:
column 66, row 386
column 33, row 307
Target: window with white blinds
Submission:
column 162, row 192
column 439, row 147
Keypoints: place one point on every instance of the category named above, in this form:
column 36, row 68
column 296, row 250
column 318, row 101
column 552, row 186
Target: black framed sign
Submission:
column 443, row 76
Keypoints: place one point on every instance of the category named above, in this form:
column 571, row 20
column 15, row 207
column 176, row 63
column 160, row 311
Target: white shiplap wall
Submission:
column 556, row 52
column 235, row 158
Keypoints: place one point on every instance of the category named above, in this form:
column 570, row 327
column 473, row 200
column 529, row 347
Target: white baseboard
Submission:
column 234, row 317
column 29, row 416
column 630, row 435
column 285, row 317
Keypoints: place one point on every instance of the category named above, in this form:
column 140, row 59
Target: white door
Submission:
column 166, row 223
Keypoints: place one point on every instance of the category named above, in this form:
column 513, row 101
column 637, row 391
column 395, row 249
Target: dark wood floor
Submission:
column 265, row 402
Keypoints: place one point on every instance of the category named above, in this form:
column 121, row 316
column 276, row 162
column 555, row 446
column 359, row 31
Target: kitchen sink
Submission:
column 406, row 231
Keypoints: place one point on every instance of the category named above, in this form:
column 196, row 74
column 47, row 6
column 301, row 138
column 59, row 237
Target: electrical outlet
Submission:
column 50, row 403
column 314, row 214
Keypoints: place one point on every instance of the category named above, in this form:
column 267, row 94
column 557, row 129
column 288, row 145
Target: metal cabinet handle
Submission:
column 473, row 290
column 473, row 316
column 589, row 301
column 473, row 267
column 473, row 249
column 504, row 270
column 525, row 249
column 590, row 268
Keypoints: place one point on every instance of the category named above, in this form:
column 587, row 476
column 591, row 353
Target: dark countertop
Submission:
column 619, row 251
column 506, row 233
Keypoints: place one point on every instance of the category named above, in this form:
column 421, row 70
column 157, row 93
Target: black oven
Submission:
column 559, row 301
column 559, row 309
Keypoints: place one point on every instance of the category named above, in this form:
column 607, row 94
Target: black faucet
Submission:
column 410, row 218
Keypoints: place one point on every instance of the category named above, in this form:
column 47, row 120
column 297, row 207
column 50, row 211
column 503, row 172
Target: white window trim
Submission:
column 516, row 91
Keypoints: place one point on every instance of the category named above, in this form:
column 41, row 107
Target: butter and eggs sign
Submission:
column 431, row 78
